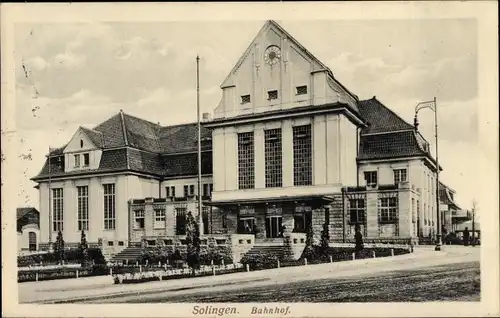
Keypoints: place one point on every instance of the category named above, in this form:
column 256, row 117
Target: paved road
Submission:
column 451, row 282
column 101, row 289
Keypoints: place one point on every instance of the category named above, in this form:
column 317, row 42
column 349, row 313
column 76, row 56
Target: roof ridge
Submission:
column 142, row 119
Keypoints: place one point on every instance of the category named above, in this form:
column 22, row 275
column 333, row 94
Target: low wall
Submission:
column 241, row 244
column 295, row 242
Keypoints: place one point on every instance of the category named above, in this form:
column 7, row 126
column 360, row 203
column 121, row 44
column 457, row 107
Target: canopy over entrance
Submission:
column 315, row 200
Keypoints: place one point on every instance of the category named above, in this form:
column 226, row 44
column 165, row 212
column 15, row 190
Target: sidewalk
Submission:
column 97, row 287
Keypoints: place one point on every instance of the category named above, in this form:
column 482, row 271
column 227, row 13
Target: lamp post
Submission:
column 433, row 106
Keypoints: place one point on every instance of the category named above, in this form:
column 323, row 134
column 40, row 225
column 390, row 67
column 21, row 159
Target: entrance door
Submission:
column 273, row 226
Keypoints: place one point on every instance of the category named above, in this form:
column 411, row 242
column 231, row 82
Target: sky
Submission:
column 71, row 75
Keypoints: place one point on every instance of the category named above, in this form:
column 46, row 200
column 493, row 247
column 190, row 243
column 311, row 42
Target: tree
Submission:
column 358, row 238
column 59, row 247
column 193, row 242
column 84, row 250
column 325, row 239
column 309, row 249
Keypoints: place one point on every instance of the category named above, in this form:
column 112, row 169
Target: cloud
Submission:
column 36, row 63
column 70, row 60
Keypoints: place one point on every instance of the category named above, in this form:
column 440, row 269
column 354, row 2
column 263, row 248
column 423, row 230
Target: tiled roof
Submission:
column 390, row 145
column 142, row 161
column 380, row 118
column 27, row 215
column 187, row 164
column 112, row 131
column 94, row 135
column 141, row 133
column 183, row 138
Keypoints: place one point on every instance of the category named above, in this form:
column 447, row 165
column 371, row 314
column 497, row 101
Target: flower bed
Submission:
column 315, row 256
column 61, row 273
column 158, row 275
column 172, row 254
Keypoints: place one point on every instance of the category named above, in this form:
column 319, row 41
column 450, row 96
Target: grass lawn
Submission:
column 454, row 282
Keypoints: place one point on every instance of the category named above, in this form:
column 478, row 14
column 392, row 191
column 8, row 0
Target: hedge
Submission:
column 171, row 255
column 61, row 273
column 316, row 256
column 71, row 256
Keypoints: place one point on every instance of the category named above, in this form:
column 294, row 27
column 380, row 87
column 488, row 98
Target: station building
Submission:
column 287, row 147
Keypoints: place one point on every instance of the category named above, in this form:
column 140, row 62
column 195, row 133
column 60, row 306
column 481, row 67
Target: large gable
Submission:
column 276, row 64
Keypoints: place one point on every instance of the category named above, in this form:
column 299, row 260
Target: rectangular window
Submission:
column 180, row 221
column 172, row 191
column 57, row 210
column 191, row 189
column 400, row 175
column 301, row 90
column 139, row 217
column 205, row 216
column 302, row 155
column 167, row 192
column 186, row 191
column 273, row 158
column 413, row 212
column 211, row 189
column 246, row 160
column 272, row 95
column 120, row 243
column 160, row 217
column 111, row 243
column 205, row 190
column 371, row 178
column 388, row 210
column 77, row 161
column 109, row 206
column 245, row 99
column 83, row 208
column 357, row 211
column 86, row 159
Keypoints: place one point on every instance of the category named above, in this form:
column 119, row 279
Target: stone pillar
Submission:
column 260, row 221
column 148, row 217
column 404, row 212
column 372, row 214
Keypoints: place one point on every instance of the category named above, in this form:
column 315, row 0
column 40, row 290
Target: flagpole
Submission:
column 439, row 242
column 200, row 215
column 50, row 204
column 433, row 106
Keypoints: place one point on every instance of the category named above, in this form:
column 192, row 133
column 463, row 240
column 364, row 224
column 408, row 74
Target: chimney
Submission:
column 206, row 117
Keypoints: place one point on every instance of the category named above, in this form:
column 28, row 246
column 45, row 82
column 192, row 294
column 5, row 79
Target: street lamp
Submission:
column 433, row 106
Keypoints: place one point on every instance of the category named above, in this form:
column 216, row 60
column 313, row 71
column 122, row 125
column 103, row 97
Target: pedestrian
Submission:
column 466, row 236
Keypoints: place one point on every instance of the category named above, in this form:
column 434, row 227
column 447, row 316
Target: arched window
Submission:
column 81, row 143
column 32, row 241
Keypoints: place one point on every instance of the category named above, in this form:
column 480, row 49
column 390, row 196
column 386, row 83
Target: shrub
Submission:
column 59, row 247
column 71, row 256
column 192, row 242
column 260, row 261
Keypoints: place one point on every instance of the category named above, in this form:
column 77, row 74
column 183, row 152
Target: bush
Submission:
column 62, row 273
column 260, row 261
column 72, row 256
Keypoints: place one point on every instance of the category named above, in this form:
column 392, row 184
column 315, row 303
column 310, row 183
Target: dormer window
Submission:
column 86, row 159
column 272, row 95
column 245, row 99
column 77, row 161
column 301, row 90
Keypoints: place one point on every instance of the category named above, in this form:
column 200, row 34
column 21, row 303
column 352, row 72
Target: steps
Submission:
column 281, row 251
column 130, row 254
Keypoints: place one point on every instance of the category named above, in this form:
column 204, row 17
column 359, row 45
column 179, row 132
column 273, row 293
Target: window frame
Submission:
column 160, row 218
column 369, row 175
column 358, row 209
column 301, row 90
column 109, row 206
column 398, row 173
column 83, row 208
column 388, row 213
column 57, row 209
column 139, row 214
